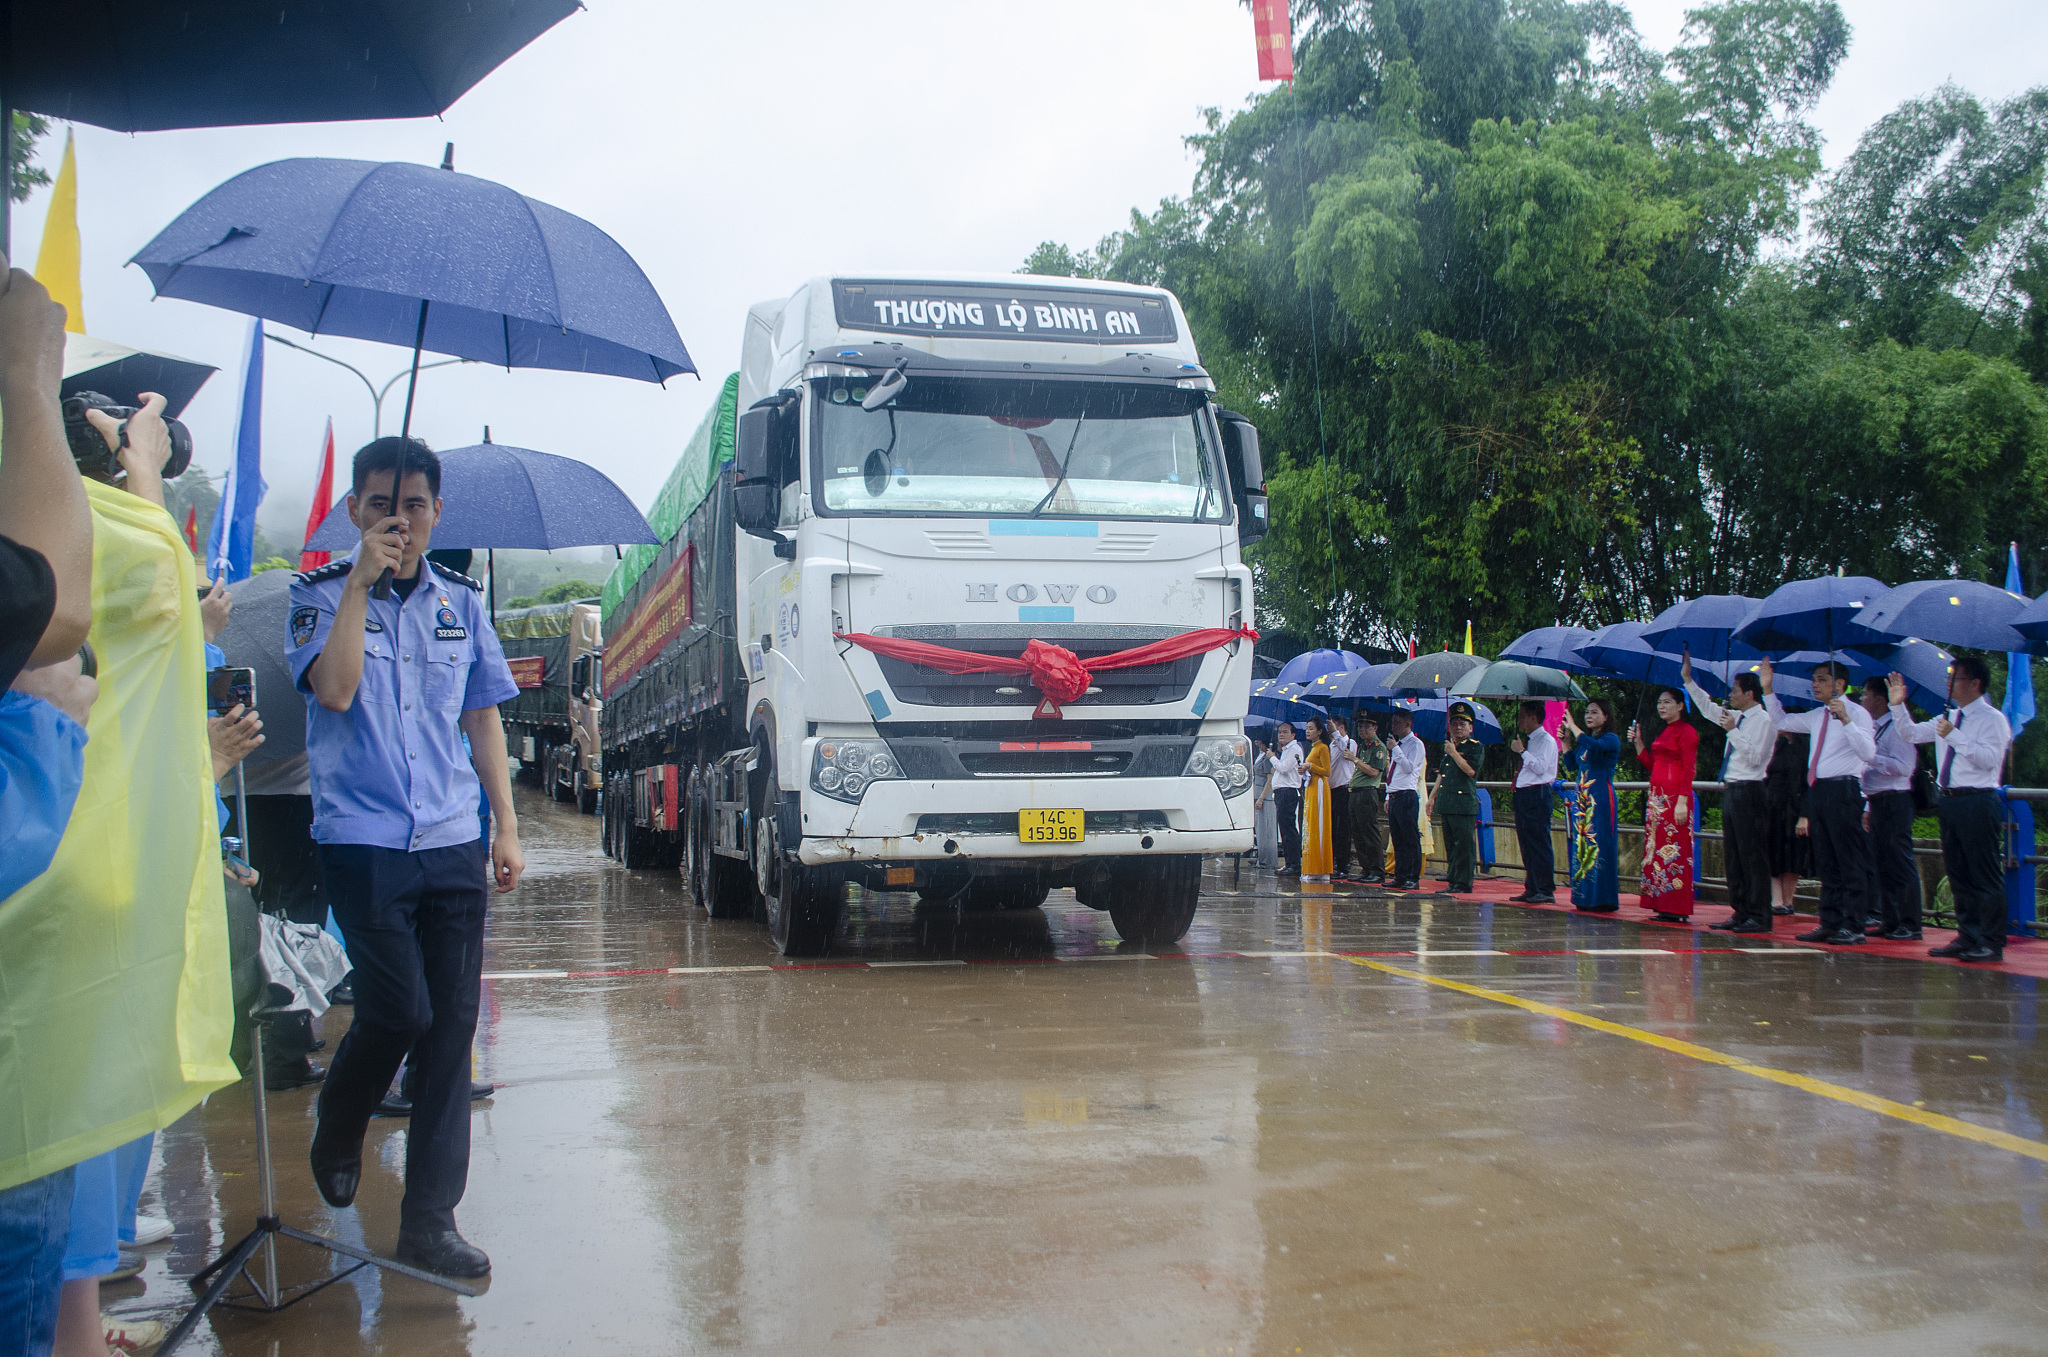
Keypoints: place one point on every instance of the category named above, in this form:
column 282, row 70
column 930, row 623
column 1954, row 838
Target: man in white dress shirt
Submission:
column 1343, row 764
column 1970, row 742
column 1404, row 801
column 1288, row 775
column 1533, row 804
column 1840, row 744
column 1888, row 820
column 1745, row 826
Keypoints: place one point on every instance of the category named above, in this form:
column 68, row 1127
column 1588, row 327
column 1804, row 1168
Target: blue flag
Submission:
column 231, row 541
column 2019, row 666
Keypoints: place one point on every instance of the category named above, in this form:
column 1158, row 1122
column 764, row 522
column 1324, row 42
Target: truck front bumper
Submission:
column 1164, row 815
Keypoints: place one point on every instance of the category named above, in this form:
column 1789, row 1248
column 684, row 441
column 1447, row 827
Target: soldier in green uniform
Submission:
column 1456, row 797
column 1369, row 800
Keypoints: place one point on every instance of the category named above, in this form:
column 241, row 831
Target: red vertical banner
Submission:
column 1274, row 35
column 192, row 529
column 323, row 498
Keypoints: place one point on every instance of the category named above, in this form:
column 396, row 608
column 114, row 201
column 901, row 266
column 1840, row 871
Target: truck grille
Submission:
column 950, row 758
column 1149, row 685
column 1098, row 822
column 1055, row 764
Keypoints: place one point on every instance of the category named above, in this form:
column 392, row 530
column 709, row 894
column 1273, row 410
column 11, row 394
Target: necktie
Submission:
column 1948, row 756
column 1827, row 718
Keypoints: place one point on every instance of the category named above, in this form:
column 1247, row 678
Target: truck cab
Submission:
column 977, row 464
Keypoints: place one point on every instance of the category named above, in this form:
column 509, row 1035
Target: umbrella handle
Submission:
column 382, row 589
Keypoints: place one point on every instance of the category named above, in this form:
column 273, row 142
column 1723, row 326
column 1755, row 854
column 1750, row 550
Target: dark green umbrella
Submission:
column 1512, row 678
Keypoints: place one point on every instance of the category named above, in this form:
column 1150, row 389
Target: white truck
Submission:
column 973, row 464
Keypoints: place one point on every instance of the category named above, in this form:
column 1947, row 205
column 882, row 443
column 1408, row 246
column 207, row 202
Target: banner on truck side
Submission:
column 526, row 670
column 972, row 311
column 656, row 620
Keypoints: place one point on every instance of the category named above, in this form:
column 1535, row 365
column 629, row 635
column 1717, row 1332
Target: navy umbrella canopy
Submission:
column 421, row 257
column 143, row 66
column 1955, row 612
column 1554, row 647
column 494, row 495
column 2032, row 622
column 1816, row 614
column 1703, row 625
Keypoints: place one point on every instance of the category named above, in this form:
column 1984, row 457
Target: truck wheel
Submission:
column 586, row 800
column 1027, row 893
column 803, row 913
column 1154, row 902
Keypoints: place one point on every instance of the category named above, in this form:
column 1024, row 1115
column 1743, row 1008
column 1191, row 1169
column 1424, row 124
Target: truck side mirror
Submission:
column 1247, row 473
column 765, row 459
column 579, row 678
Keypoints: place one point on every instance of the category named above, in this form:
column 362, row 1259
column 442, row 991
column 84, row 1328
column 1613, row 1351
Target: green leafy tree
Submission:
column 24, row 176
column 568, row 591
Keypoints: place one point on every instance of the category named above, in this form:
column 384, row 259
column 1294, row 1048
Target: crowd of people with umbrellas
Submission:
column 1814, row 688
column 413, row 255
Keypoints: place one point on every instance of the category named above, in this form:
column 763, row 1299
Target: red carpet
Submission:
column 2022, row 955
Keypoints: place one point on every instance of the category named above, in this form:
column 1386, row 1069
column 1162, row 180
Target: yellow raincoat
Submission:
column 115, row 1003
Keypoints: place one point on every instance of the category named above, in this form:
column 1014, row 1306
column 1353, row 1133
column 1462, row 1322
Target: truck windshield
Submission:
column 998, row 446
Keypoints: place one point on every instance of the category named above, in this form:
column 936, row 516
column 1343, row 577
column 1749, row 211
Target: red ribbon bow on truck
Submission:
column 1056, row 671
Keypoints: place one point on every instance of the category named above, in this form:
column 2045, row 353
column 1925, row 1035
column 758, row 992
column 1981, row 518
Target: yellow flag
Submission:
column 57, row 263
column 114, row 962
column 1468, row 638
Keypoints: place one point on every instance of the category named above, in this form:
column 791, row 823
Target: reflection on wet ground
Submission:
column 1236, row 1148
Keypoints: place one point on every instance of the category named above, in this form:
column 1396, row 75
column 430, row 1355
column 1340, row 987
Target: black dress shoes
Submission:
column 1755, row 926
column 336, row 1173
column 1846, row 938
column 1815, row 935
column 1781, row 909
column 1981, row 954
column 297, row 1074
column 1953, row 949
column 1522, row 899
column 443, row 1253
column 1903, row 934
column 1726, row 925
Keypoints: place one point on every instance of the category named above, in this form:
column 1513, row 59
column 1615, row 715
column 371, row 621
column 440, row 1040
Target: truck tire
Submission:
column 803, row 913
column 1153, row 903
column 586, row 800
column 1025, row 893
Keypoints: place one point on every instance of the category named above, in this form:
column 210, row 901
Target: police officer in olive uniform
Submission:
column 392, row 686
column 1456, row 797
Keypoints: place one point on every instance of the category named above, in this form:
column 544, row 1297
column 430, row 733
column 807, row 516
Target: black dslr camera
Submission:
column 89, row 449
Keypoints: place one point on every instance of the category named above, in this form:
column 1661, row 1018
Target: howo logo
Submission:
column 1028, row 593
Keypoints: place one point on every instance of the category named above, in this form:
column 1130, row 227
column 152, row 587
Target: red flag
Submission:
column 192, row 528
column 1273, row 34
column 323, row 499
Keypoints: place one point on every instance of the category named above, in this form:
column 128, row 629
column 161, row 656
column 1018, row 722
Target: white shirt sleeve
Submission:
column 1919, row 732
column 1708, row 707
column 1798, row 723
column 1980, row 741
column 1752, row 739
column 1858, row 730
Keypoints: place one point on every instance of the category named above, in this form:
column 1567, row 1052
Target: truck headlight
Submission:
column 842, row 769
column 1224, row 759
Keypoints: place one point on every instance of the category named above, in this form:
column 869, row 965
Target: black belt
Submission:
column 1743, row 782
column 1969, row 791
column 1856, row 780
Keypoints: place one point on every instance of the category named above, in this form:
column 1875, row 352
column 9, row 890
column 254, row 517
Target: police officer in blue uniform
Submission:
column 392, row 686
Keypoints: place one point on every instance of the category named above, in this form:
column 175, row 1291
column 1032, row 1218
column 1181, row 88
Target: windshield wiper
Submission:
column 1065, row 462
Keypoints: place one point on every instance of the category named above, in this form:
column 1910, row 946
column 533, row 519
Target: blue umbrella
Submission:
column 1816, row 614
column 431, row 259
column 1280, row 701
column 1432, row 722
column 1703, row 625
column 1619, row 651
column 1358, row 687
column 1922, row 664
column 495, row 495
column 401, row 253
column 228, row 63
column 1956, row 612
column 2032, row 623
column 1313, row 664
column 1556, row 647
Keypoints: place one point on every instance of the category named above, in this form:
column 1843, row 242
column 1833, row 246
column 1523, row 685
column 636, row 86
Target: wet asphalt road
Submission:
column 1066, row 1147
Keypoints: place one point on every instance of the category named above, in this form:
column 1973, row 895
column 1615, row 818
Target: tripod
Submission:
column 265, row 1294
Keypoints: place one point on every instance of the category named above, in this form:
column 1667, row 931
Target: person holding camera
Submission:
column 392, row 685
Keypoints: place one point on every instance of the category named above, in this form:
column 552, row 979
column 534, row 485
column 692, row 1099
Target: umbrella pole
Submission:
column 382, row 590
column 491, row 555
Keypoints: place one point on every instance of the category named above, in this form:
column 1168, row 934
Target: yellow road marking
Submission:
column 1934, row 1121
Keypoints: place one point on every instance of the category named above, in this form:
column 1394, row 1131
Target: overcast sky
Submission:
column 735, row 150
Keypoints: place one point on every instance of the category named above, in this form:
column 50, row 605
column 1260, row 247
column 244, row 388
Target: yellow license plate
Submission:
column 1050, row 826
column 900, row 876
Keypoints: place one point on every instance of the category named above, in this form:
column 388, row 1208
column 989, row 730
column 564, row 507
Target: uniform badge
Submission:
column 371, row 624
column 304, row 620
column 446, row 628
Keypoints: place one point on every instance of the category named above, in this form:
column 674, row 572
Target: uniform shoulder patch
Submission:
column 305, row 618
column 332, row 570
column 455, row 577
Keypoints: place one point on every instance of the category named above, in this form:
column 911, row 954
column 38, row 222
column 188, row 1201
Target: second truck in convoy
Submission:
column 949, row 599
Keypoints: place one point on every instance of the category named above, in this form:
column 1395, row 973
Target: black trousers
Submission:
column 1532, row 833
column 1973, row 850
column 1340, row 830
column 282, row 851
column 1895, row 876
column 1402, row 808
column 415, row 929
column 1461, row 851
column 1368, row 806
column 1745, row 844
column 1841, row 853
column 1287, row 807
